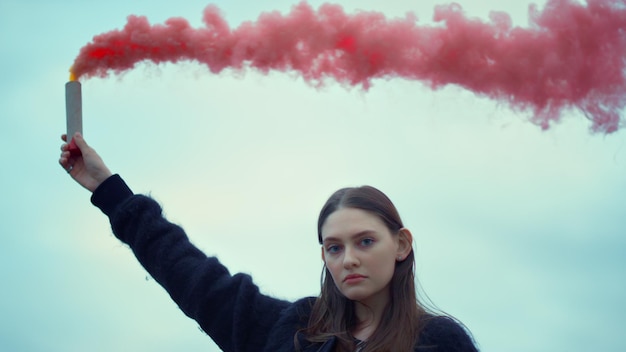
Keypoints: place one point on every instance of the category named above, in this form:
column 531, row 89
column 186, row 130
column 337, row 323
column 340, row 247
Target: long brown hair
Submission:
column 333, row 314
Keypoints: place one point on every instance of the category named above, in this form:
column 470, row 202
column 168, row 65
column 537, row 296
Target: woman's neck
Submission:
column 368, row 314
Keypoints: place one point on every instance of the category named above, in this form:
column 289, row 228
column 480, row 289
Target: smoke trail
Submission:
column 571, row 55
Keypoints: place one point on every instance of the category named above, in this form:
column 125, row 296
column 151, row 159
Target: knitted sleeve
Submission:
column 228, row 308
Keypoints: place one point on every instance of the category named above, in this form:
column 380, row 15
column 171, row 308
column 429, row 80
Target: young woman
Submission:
column 367, row 303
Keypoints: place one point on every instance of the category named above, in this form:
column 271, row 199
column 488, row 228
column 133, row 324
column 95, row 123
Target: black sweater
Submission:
column 229, row 308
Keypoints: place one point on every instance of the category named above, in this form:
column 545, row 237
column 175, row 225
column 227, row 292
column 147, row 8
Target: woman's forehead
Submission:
column 346, row 222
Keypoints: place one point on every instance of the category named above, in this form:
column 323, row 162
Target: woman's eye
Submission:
column 367, row 242
column 332, row 249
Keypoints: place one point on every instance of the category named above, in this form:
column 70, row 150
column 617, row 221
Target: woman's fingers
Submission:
column 64, row 162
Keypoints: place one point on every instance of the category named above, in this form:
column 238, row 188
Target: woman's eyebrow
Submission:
column 358, row 234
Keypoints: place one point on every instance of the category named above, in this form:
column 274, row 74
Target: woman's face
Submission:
column 360, row 252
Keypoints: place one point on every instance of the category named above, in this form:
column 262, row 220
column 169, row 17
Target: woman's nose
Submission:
column 350, row 258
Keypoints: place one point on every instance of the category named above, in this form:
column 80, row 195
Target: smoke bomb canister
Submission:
column 74, row 113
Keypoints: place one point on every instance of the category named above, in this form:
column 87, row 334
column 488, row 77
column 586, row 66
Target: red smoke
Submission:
column 571, row 55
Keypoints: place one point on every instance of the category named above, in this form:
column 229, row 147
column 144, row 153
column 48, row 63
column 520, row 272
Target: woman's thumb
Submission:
column 80, row 142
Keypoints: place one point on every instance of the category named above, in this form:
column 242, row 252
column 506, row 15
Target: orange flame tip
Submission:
column 72, row 75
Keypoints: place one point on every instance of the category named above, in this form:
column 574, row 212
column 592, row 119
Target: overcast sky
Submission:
column 519, row 232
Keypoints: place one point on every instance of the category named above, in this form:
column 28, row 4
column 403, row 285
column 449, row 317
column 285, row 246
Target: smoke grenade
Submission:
column 570, row 56
column 74, row 113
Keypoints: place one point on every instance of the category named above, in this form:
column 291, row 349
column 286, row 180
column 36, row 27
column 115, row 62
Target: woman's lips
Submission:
column 353, row 279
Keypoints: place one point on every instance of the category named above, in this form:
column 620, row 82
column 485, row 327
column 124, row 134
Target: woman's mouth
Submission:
column 353, row 279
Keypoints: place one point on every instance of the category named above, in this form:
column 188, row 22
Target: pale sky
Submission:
column 519, row 232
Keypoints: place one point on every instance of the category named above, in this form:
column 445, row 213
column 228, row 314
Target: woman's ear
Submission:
column 323, row 256
column 405, row 244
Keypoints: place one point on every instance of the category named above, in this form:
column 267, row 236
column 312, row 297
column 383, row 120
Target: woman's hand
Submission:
column 87, row 168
